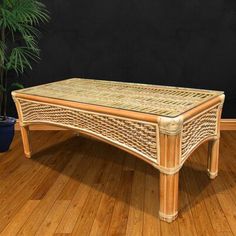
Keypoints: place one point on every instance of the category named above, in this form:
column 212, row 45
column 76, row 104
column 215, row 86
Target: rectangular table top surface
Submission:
column 144, row 98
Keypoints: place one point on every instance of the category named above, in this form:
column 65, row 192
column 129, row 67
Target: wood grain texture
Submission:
column 79, row 186
column 135, row 217
column 20, row 218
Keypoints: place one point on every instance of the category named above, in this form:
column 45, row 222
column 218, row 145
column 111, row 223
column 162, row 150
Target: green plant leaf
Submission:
column 18, row 15
column 31, row 43
column 30, row 12
column 19, row 37
column 19, row 59
column 17, row 85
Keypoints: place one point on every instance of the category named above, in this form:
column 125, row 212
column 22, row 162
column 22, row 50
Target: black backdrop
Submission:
column 189, row 43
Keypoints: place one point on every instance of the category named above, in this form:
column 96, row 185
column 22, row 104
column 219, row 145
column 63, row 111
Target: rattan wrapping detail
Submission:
column 198, row 129
column 140, row 137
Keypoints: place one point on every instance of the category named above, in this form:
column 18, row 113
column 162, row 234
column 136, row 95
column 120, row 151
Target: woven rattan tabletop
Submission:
column 151, row 99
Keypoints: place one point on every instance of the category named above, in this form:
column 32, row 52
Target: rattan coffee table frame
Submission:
column 162, row 141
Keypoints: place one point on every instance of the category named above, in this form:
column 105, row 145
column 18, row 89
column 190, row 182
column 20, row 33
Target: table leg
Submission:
column 213, row 158
column 169, row 188
column 25, row 139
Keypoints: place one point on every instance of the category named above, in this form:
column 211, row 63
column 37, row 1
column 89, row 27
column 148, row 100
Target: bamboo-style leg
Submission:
column 169, row 196
column 213, row 158
column 214, row 146
column 25, row 139
column 170, row 156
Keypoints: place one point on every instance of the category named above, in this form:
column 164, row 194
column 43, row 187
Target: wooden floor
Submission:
column 78, row 186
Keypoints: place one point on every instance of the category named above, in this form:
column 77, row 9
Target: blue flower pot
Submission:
column 6, row 133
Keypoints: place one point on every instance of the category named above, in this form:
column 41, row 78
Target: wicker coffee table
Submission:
column 161, row 125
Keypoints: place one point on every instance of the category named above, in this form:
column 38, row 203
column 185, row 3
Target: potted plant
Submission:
column 18, row 49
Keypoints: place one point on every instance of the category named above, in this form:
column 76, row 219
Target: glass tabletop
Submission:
column 145, row 98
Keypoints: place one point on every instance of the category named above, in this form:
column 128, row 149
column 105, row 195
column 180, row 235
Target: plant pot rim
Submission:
column 8, row 122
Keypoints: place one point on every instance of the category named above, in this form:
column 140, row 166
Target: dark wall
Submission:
column 189, row 43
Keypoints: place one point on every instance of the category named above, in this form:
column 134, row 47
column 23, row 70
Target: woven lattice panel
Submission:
column 151, row 99
column 140, row 137
column 198, row 129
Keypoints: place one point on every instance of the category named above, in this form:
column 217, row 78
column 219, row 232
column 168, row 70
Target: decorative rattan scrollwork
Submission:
column 140, row 137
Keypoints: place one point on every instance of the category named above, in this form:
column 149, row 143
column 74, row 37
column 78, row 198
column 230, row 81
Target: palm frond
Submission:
column 8, row 20
column 31, row 42
column 20, row 18
column 30, row 11
column 19, row 14
column 19, row 59
column 25, row 29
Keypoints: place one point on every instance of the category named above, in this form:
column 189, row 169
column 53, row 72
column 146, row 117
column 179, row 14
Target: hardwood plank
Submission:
column 213, row 207
column 12, row 181
column 135, row 218
column 88, row 177
column 39, row 214
column 51, row 178
column 169, row 229
column 71, row 187
column 232, row 134
column 121, row 200
column 226, row 139
column 61, row 234
column 129, row 164
column 88, row 212
column 19, row 219
column 197, row 204
column 227, row 204
column 151, row 222
column 120, row 214
column 13, row 158
column 53, row 218
column 104, row 213
column 185, row 218
column 8, row 159
column 53, row 139
column 227, row 170
column 11, row 203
